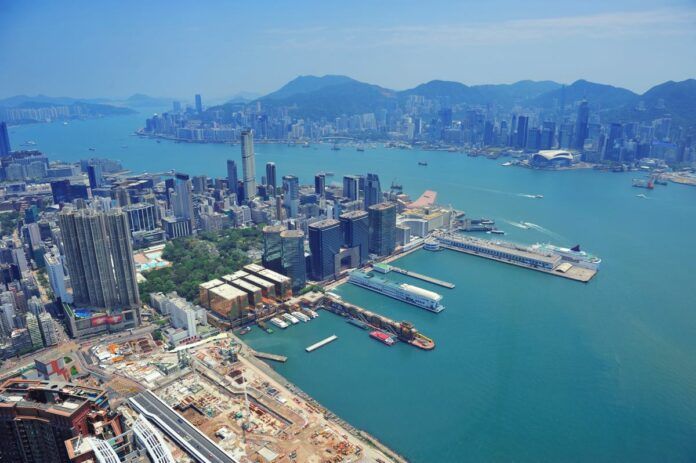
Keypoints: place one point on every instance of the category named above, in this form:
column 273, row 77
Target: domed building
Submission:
column 552, row 158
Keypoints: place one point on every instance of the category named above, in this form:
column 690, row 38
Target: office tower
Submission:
column 355, row 228
column 522, row 128
column 293, row 258
column 320, row 184
column 324, row 243
column 44, row 414
column 176, row 107
column 199, row 104
column 35, row 306
column 291, row 198
column 248, row 166
column 65, row 192
column 34, row 331
column 373, row 191
column 200, row 184
column 94, row 173
column 581, row 125
column 48, row 329
column 612, row 152
column 141, row 216
column 533, row 139
column 272, row 249
column 445, row 116
column 382, row 220
column 351, row 187
column 99, row 257
column 271, row 177
column 232, row 175
column 4, row 140
column 182, row 198
column 548, row 132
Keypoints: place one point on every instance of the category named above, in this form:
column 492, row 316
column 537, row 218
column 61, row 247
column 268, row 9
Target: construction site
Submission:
column 239, row 406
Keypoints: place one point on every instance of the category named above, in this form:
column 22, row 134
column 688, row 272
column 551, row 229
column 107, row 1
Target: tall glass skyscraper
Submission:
column 382, row 218
column 248, row 165
column 324, row 243
column 581, row 126
column 271, row 177
column 356, row 232
column 373, row 191
column 293, row 258
column 4, row 140
column 182, row 198
column 291, row 198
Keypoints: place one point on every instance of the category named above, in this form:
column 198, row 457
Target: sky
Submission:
column 112, row 49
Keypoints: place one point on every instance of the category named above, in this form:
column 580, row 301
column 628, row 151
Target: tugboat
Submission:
column 382, row 337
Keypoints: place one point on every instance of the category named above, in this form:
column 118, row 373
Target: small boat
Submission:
column 92, row 149
column 290, row 318
column 360, row 149
column 422, row 163
column 506, row 164
column 642, row 196
column 382, row 337
column 538, row 196
column 244, row 330
column 269, row 330
column 65, row 123
column 495, row 231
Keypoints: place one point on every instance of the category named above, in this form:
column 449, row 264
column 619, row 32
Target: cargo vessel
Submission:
column 382, row 337
column 414, row 295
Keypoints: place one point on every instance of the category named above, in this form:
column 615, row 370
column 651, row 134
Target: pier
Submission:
column 321, row 343
column 405, row 331
column 435, row 281
column 267, row 356
column 517, row 255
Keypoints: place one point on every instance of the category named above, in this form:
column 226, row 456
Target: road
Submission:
column 196, row 444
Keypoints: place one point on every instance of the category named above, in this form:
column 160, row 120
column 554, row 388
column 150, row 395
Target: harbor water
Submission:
column 528, row 367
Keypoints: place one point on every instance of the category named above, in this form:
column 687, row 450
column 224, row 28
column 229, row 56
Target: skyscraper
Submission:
column 271, row 177
column 382, row 219
column 34, row 331
column 272, row 250
column 182, row 198
column 351, row 187
column 199, row 104
column 293, row 258
column 291, row 198
column 581, row 126
column 522, row 128
column 4, row 140
column 356, row 232
column 373, row 191
column 324, row 243
column 232, row 178
column 248, row 166
column 320, row 184
column 99, row 257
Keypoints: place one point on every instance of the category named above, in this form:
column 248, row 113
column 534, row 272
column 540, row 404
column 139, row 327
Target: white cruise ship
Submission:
column 410, row 294
column 573, row 255
column 278, row 322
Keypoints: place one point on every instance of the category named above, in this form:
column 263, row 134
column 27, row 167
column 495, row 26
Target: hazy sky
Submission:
column 176, row 48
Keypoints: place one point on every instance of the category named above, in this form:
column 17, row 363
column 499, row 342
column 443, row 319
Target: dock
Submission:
column 267, row 356
column 435, row 281
column 321, row 343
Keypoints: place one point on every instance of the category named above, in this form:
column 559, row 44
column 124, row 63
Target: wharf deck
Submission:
column 267, row 356
column 575, row 273
column 435, row 281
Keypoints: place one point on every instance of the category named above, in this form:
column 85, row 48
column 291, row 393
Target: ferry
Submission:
column 414, row 295
column 642, row 183
column 572, row 255
column 382, row 337
column 290, row 318
column 300, row 316
column 279, row 323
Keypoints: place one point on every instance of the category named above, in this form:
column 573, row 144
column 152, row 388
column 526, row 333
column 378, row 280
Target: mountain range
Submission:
column 331, row 96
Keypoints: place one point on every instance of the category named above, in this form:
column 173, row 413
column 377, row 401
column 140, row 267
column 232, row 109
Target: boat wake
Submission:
column 525, row 195
column 517, row 224
column 543, row 230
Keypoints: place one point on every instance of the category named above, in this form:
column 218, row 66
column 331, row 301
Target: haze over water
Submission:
column 528, row 367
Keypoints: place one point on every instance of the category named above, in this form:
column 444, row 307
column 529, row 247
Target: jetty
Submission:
column 435, row 281
column 321, row 343
column 267, row 356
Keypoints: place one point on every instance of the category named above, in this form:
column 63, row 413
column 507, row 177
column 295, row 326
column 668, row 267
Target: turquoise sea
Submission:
column 528, row 367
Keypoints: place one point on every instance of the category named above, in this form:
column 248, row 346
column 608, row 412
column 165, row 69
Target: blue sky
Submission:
column 175, row 48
